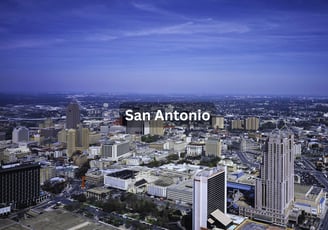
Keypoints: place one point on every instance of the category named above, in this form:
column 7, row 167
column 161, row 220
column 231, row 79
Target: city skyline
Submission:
column 164, row 47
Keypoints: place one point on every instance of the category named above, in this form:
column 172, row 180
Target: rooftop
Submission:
column 16, row 166
column 124, row 174
column 164, row 181
column 208, row 172
column 186, row 186
column 98, row 190
column 315, row 191
column 49, row 220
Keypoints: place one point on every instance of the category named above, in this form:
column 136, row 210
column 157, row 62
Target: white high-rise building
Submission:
column 114, row 150
column 20, row 134
column 275, row 188
column 209, row 198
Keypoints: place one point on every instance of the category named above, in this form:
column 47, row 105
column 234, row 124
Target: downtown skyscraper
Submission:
column 19, row 184
column 275, row 187
column 72, row 115
column 210, row 199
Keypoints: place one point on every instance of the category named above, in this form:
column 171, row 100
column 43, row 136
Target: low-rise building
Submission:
column 181, row 192
column 311, row 199
column 46, row 173
column 158, row 188
column 94, row 178
column 195, row 149
column 120, row 179
column 98, row 193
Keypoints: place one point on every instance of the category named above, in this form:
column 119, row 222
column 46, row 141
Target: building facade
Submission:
column 19, row 184
column 20, row 134
column 115, row 150
column 238, row 124
column 82, row 137
column 72, row 115
column 275, row 188
column 71, row 142
column 209, row 194
column 213, row 147
column 252, row 123
column 217, row 122
column 156, row 127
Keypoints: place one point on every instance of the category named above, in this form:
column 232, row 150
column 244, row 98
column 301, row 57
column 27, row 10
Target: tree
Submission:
column 79, row 197
column 150, row 139
column 55, row 188
column 210, row 161
column 73, row 206
column 82, row 170
column 173, row 157
column 113, row 205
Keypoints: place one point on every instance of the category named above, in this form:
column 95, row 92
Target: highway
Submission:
column 244, row 159
column 310, row 168
column 324, row 222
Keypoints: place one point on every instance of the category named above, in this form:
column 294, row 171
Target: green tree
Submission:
column 79, row 197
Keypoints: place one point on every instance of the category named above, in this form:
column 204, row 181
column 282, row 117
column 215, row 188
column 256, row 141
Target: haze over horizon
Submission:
column 165, row 47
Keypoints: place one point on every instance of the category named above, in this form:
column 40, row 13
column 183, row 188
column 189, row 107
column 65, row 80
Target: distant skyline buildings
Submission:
column 72, row 115
column 165, row 47
column 20, row 134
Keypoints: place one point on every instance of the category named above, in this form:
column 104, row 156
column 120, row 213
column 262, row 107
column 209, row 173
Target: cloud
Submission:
column 191, row 27
column 158, row 11
column 29, row 43
column 102, row 37
column 149, row 8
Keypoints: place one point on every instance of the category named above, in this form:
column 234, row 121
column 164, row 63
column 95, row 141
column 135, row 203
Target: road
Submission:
column 324, row 223
column 310, row 168
column 244, row 159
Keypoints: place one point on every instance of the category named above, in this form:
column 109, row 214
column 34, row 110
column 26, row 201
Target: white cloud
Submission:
column 149, row 8
column 30, row 43
column 100, row 37
column 190, row 27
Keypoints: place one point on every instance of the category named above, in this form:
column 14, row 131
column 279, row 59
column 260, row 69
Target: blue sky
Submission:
column 165, row 46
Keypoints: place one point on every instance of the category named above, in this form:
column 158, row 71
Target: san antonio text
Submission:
column 167, row 116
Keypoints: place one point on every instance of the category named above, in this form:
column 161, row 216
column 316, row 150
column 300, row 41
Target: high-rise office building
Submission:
column 138, row 127
column 62, row 136
column 85, row 138
column 19, row 184
column 275, row 187
column 72, row 115
column 237, row 124
column 156, row 127
column 20, row 134
column 114, row 150
column 82, row 136
column 217, row 122
column 252, row 123
column 47, row 172
column 209, row 199
column 213, row 147
column 71, row 142
column 48, row 123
